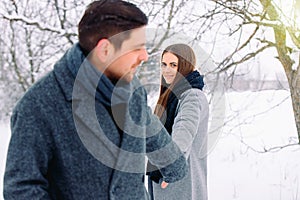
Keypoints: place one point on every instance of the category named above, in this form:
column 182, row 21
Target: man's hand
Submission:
column 164, row 185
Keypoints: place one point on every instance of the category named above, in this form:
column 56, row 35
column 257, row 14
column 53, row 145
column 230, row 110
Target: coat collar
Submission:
column 65, row 80
column 65, row 68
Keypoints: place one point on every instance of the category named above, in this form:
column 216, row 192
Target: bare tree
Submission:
column 248, row 21
column 34, row 35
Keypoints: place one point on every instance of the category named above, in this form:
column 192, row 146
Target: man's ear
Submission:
column 103, row 50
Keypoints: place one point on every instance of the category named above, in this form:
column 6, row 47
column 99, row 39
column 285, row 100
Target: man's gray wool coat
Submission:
column 47, row 158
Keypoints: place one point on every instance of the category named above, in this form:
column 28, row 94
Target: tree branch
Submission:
column 246, row 57
column 37, row 24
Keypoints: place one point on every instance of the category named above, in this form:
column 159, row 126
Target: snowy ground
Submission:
column 237, row 169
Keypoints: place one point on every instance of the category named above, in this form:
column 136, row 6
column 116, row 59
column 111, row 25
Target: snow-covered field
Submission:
column 237, row 168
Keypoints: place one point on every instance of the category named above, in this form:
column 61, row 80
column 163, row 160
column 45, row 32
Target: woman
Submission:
column 183, row 109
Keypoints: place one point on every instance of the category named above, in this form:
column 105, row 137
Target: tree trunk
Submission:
column 294, row 83
column 293, row 76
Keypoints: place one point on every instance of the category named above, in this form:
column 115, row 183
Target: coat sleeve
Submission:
column 192, row 109
column 28, row 157
column 163, row 153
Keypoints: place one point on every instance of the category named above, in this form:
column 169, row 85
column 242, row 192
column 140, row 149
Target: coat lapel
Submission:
column 100, row 141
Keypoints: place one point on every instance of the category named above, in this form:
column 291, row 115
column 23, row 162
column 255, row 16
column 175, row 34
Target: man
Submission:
column 82, row 131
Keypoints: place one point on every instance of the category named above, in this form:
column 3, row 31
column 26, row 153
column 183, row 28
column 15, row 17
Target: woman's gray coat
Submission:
column 190, row 134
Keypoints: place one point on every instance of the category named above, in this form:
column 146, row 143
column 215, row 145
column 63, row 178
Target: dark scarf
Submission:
column 96, row 83
column 192, row 80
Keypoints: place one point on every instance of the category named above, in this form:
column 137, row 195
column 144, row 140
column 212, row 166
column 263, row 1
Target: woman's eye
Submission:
column 163, row 65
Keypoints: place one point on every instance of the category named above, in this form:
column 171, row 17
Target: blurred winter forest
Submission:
column 241, row 45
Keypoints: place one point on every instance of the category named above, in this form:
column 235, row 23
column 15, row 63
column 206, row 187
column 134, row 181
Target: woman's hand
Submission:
column 164, row 185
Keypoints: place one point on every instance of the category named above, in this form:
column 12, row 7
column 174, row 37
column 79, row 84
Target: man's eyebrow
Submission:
column 140, row 45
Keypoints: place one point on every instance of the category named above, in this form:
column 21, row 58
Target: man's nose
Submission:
column 144, row 55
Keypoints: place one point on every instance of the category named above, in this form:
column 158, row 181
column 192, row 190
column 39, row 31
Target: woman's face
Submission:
column 169, row 67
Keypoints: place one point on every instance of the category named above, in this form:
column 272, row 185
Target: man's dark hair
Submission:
column 106, row 18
